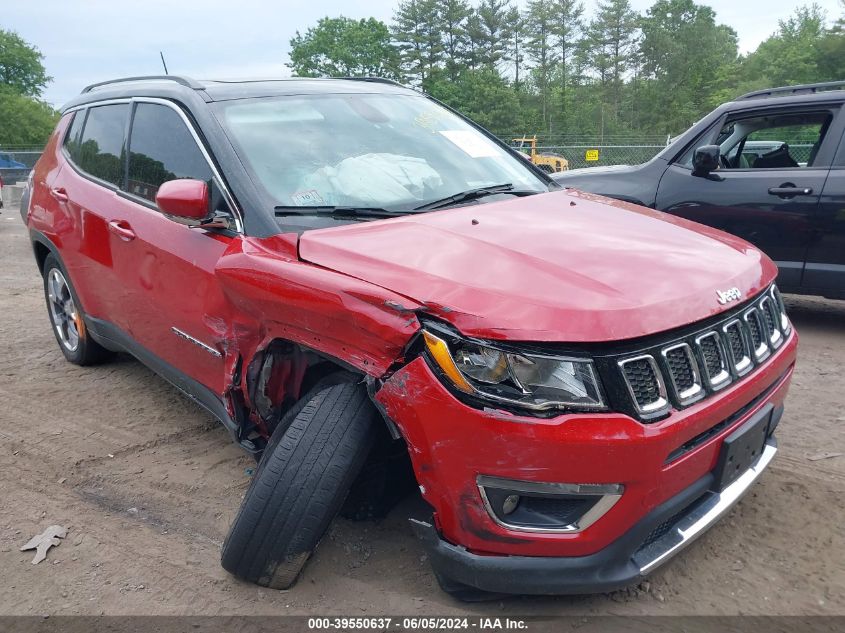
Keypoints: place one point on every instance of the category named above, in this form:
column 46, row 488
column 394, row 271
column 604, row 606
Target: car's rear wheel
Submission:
column 306, row 471
column 66, row 317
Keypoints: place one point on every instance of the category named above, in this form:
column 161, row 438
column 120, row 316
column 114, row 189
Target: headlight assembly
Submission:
column 522, row 379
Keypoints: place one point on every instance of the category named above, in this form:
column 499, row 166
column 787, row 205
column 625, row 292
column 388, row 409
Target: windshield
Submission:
column 395, row 152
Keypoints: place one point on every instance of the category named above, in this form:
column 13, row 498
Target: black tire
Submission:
column 304, row 476
column 87, row 351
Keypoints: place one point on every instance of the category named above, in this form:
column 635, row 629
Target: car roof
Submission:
column 209, row 90
column 779, row 99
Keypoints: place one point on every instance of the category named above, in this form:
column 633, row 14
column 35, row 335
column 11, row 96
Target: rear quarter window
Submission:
column 101, row 147
column 73, row 137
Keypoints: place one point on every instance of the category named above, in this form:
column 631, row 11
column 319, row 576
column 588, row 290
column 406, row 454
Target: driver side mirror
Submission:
column 184, row 199
column 706, row 159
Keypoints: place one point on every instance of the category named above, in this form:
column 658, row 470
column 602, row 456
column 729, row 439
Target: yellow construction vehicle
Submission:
column 550, row 163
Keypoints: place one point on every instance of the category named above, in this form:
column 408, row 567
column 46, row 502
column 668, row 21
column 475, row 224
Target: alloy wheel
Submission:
column 63, row 310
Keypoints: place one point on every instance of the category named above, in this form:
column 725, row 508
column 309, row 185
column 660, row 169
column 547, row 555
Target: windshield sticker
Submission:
column 472, row 143
column 428, row 119
column 307, row 198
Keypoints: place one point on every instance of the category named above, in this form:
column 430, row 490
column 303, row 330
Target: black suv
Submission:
column 768, row 167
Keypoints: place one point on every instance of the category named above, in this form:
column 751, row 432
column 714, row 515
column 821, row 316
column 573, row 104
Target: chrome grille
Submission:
column 715, row 363
column 738, row 347
column 706, row 361
column 645, row 383
column 770, row 317
column 759, row 346
column 785, row 326
column 683, row 372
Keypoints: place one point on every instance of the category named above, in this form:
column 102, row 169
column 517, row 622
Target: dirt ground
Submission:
column 147, row 484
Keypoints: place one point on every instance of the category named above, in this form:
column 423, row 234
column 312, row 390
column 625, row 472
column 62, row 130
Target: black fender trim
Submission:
column 37, row 237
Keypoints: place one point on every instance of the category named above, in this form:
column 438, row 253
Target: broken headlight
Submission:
column 523, row 379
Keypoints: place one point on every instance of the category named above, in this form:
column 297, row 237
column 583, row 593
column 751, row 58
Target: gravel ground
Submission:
column 147, row 484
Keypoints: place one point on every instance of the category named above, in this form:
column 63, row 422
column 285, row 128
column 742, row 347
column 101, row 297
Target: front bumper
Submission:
column 661, row 534
column 662, row 467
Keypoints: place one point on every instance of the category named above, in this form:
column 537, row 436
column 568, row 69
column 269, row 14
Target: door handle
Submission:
column 788, row 190
column 59, row 194
column 122, row 229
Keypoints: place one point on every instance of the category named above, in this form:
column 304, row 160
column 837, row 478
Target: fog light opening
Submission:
column 509, row 504
column 545, row 507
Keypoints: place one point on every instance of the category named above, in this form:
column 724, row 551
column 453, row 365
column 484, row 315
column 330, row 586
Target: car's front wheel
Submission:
column 66, row 317
column 313, row 457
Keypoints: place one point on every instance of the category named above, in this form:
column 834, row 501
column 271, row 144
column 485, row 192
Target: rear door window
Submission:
column 101, row 148
column 162, row 148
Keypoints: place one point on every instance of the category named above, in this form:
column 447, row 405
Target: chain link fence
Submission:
column 586, row 152
column 597, row 155
column 581, row 151
column 16, row 163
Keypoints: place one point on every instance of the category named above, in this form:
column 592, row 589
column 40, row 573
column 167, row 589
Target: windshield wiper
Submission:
column 336, row 211
column 474, row 194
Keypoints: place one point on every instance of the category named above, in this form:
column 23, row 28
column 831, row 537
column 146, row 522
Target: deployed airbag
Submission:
column 372, row 179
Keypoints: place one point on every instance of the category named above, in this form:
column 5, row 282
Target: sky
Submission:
column 85, row 41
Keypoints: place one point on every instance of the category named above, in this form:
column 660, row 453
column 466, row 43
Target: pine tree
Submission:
column 416, row 33
column 540, row 49
column 494, row 31
column 514, row 49
column 612, row 36
column 453, row 17
column 566, row 28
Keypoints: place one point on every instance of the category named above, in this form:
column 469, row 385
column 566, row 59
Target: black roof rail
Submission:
column 791, row 90
column 375, row 80
column 184, row 81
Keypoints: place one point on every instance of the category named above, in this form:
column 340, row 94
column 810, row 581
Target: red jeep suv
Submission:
column 346, row 271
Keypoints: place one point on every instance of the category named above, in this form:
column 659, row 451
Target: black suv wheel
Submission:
column 306, row 472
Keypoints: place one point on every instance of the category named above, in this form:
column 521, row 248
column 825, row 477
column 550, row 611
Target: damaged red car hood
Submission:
column 562, row 266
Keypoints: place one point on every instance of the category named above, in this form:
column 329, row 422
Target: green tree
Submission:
column 611, row 37
column 474, row 40
column 346, row 48
column 540, row 49
column 514, row 49
column 482, row 95
column 453, row 18
column 831, row 50
column 792, row 54
column 25, row 121
column 493, row 31
column 684, row 55
column 566, row 27
column 21, row 67
column 415, row 31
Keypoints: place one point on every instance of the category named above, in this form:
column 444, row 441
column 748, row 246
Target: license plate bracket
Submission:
column 742, row 448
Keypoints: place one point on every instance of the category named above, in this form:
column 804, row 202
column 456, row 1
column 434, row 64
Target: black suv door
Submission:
column 774, row 165
column 824, row 272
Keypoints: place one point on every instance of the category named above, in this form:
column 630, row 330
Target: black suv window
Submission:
column 161, row 148
column 101, row 147
column 767, row 141
column 774, row 141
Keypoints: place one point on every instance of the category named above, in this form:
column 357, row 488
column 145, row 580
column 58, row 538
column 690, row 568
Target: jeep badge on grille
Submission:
column 731, row 294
